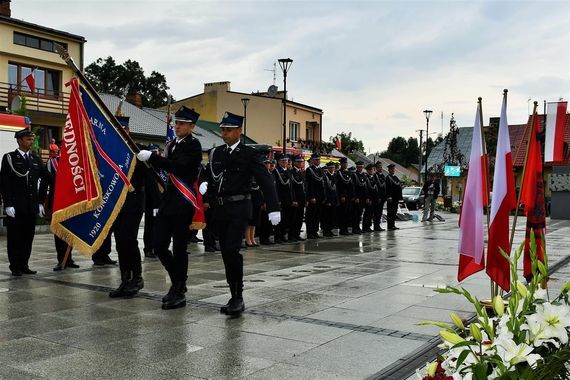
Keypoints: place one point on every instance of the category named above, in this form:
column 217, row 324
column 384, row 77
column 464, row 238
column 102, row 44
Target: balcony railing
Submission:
column 41, row 100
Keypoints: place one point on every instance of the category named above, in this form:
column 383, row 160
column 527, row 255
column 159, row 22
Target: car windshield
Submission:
column 411, row 191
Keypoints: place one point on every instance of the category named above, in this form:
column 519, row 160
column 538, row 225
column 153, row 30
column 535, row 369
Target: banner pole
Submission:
column 66, row 256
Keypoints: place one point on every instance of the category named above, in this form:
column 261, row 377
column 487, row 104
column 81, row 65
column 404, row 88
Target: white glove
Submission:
column 203, row 188
column 154, row 212
column 144, row 155
column 41, row 211
column 274, row 217
column 11, row 212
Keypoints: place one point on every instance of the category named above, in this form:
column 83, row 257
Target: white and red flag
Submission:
column 555, row 128
column 471, row 231
column 31, row 81
column 503, row 201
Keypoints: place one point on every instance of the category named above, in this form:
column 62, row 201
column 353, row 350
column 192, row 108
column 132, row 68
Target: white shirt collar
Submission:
column 22, row 153
column 232, row 147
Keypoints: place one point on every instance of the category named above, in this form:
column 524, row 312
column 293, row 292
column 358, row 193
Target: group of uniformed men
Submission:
column 238, row 185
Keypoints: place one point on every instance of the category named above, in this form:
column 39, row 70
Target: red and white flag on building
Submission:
column 471, row 231
column 31, row 81
column 503, row 201
column 555, row 128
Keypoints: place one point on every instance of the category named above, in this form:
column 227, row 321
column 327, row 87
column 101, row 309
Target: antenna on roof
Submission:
column 274, row 69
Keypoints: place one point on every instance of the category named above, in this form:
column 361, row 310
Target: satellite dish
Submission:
column 272, row 90
column 16, row 103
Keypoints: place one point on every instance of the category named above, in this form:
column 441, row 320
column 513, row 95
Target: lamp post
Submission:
column 285, row 64
column 428, row 114
column 244, row 102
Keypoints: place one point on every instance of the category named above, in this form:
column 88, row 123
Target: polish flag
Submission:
column 504, row 200
column 471, row 232
column 555, row 125
column 31, row 81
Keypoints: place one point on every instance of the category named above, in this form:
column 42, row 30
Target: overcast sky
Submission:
column 373, row 66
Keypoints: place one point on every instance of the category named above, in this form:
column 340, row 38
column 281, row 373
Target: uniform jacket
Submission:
column 393, row 187
column 315, row 186
column 284, row 186
column 184, row 162
column 299, row 186
column 344, row 184
column 330, row 189
column 359, row 180
column 372, row 190
column 381, row 180
column 19, row 182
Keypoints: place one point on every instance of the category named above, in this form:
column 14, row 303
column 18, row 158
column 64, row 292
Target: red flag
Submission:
column 31, row 81
column 504, row 200
column 338, row 144
column 471, row 232
column 533, row 198
column 555, row 125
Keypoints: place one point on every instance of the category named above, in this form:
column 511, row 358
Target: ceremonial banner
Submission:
column 471, row 232
column 115, row 162
column 555, row 130
column 504, row 200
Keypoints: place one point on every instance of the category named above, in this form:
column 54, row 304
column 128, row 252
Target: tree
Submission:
column 108, row 77
column 401, row 151
column 451, row 153
column 349, row 144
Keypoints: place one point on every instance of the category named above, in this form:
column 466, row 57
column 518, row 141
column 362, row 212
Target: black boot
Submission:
column 177, row 299
column 124, row 289
column 224, row 309
column 236, row 305
column 136, row 282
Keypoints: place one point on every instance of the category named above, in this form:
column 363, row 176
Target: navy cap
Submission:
column 186, row 115
column 283, row 157
column 266, row 160
column 273, row 161
column 391, row 166
column 343, row 160
column 358, row 163
column 231, row 120
column 369, row 166
column 352, row 169
column 315, row 155
column 298, row 158
column 330, row 164
column 24, row 133
column 378, row 163
column 123, row 120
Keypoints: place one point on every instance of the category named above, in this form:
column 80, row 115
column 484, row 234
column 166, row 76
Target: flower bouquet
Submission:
column 526, row 338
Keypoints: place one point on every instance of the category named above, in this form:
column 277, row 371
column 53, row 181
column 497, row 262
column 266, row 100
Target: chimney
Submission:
column 135, row 98
column 5, row 8
column 217, row 86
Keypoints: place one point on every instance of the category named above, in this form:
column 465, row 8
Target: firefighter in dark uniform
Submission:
column 208, row 233
column 345, row 190
column 151, row 203
column 372, row 197
column 285, row 195
column 359, row 180
column 315, row 194
column 265, row 227
column 298, row 207
column 182, row 162
column 394, row 195
column 331, row 201
column 232, row 165
column 21, row 173
column 381, row 181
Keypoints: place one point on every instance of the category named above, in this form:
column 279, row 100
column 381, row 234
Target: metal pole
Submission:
column 284, row 112
column 421, row 141
column 244, row 123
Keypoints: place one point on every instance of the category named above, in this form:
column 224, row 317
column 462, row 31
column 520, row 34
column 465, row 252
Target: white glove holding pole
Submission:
column 41, row 211
column 203, row 188
column 11, row 212
column 274, row 217
column 144, row 155
column 154, row 212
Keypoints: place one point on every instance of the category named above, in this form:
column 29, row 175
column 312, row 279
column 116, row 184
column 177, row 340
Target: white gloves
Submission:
column 11, row 212
column 203, row 188
column 144, row 155
column 41, row 211
column 274, row 217
column 154, row 212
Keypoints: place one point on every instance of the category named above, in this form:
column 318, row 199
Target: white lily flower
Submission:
column 513, row 353
column 553, row 321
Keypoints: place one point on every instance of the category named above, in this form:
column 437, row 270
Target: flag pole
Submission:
column 485, row 179
column 64, row 54
column 523, row 173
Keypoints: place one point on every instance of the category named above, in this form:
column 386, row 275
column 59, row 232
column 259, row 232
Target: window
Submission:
column 293, row 131
column 47, row 82
column 36, row 42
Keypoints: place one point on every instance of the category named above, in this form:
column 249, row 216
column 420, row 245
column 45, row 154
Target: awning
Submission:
column 13, row 122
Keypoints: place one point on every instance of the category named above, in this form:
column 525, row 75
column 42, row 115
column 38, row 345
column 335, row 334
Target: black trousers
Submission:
column 148, row 229
column 328, row 218
column 283, row 226
column 209, row 233
column 20, row 233
column 105, row 248
column 368, row 215
column 357, row 215
column 343, row 215
column 231, row 220
column 313, row 217
column 391, row 211
column 296, row 221
column 61, row 248
column 378, row 213
column 175, row 228
column 265, row 229
column 126, row 229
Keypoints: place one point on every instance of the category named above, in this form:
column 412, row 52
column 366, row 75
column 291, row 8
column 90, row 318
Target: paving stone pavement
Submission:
column 339, row 308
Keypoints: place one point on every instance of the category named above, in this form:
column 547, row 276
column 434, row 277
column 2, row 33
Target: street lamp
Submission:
column 285, row 64
column 428, row 114
column 245, row 101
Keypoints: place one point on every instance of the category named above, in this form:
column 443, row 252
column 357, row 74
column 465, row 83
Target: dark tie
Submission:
column 29, row 159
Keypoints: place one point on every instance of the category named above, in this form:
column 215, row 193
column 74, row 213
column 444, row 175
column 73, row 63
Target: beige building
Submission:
column 25, row 47
column 264, row 122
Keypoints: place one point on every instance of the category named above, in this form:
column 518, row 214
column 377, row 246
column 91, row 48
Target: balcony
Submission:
column 43, row 102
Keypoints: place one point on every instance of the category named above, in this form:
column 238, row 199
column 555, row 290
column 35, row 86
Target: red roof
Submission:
column 519, row 141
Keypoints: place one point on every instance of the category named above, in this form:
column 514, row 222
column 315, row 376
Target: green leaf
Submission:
column 480, row 371
column 461, row 358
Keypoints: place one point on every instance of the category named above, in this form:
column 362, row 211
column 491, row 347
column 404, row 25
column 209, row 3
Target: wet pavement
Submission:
column 339, row 308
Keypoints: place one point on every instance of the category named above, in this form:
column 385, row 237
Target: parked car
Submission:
column 413, row 197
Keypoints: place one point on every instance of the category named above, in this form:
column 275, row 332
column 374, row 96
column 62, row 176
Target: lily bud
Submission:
column 457, row 321
column 476, row 332
column 432, row 367
column 541, row 268
column 450, row 337
column 521, row 289
column 498, row 306
column 566, row 287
